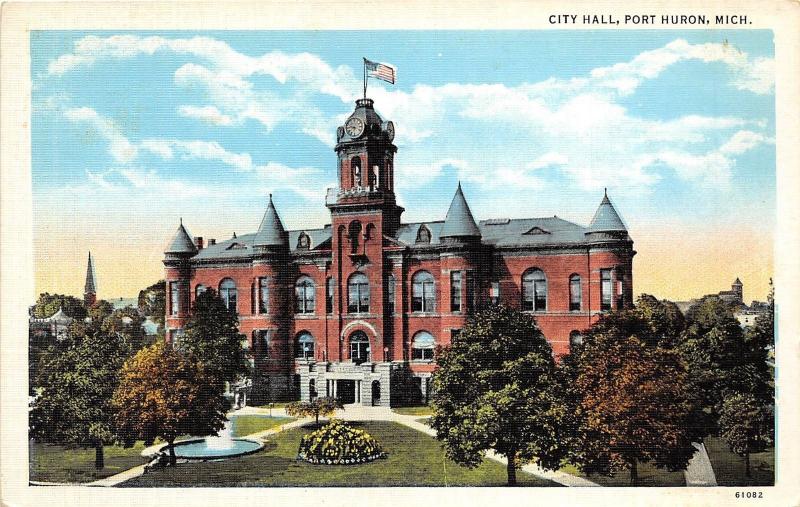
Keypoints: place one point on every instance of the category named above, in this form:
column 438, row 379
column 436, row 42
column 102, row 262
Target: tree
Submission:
column 77, row 380
column 164, row 394
column 212, row 336
column 634, row 406
column 722, row 359
column 48, row 304
column 153, row 302
column 324, row 406
column 495, row 388
column 747, row 424
column 663, row 318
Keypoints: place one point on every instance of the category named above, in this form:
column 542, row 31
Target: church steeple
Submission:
column 271, row 232
column 90, row 288
column 459, row 222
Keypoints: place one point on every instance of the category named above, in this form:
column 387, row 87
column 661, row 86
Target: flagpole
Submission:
column 365, row 78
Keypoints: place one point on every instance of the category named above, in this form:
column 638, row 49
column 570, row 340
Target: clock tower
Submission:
column 363, row 214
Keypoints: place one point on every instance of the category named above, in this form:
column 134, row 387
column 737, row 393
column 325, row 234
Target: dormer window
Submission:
column 423, row 234
column 303, row 241
column 236, row 246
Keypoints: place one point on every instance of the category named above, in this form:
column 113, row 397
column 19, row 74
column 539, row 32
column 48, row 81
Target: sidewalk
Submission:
column 699, row 472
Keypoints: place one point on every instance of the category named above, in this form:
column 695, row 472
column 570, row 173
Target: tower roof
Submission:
column 181, row 242
column 737, row 281
column 459, row 221
column 91, row 279
column 271, row 231
column 606, row 218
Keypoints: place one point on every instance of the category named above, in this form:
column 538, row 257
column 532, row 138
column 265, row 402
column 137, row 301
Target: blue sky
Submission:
column 132, row 130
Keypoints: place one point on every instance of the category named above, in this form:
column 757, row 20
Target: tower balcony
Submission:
column 337, row 195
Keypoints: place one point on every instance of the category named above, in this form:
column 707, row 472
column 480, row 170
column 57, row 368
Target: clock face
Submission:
column 390, row 130
column 354, row 127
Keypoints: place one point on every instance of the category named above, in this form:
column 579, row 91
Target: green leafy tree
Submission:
column 76, row 383
column 212, row 336
column 495, row 388
column 633, row 405
column 762, row 335
column 747, row 424
column 325, row 407
column 164, row 394
column 722, row 359
column 100, row 310
column 153, row 302
column 47, row 304
column 663, row 319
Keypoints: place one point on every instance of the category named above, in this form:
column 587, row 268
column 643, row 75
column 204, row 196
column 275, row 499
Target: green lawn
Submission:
column 729, row 468
column 414, row 459
column 276, row 404
column 648, row 476
column 419, row 411
column 55, row 463
column 248, row 424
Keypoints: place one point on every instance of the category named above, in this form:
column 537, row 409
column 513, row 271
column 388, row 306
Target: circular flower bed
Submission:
column 337, row 443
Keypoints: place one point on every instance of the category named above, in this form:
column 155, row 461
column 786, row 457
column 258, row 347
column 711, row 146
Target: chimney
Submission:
column 212, row 242
column 198, row 242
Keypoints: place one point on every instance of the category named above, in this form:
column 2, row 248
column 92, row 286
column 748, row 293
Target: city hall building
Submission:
column 357, row 308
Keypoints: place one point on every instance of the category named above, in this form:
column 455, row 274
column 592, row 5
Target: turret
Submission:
column 606, row 222
column 459, row 224
column 181, row 246
column 271, row 234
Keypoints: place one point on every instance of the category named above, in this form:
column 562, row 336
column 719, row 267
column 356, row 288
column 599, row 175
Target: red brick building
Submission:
column 356, row 309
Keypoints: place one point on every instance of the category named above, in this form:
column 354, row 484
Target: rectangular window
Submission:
column 261, row 342
column 455, row 291
column 418, row 354
column 390, row 295
column 540, row 294
column 175, row 298
column 329, row 295
column 605, row 289
column 494, row 295
column 263, row 295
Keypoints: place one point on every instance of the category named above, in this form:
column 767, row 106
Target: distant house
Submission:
column 746, row 315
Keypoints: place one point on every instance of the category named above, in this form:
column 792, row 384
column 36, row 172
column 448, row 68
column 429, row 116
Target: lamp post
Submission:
column 385, row 354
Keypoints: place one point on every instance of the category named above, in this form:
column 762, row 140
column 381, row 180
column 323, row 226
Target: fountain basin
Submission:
column 201, row 450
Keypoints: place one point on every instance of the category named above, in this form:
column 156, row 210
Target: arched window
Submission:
column 304, row 346
column 423, row 296
column 199, row 289
column 358, row 293
column 574, row 293
column 534, row 291
column 304, row 295
column 359, row 347
column 422, row 346
column 228, row 293
column 355, row 167
column 423, row 234
column 575, row 340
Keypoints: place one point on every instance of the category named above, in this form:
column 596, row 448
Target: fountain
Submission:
column 220, row 446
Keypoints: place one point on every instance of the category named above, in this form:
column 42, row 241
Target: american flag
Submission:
column 381, row 71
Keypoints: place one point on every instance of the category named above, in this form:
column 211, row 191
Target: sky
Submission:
column 132, row 131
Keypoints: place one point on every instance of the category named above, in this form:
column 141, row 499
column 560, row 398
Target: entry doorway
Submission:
column 346, row 391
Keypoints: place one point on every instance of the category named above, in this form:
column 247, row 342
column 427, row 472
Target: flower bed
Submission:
column 337, row 443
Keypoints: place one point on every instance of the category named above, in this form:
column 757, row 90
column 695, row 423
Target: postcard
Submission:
column 456, row 253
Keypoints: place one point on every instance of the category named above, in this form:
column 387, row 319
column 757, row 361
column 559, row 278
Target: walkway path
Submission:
column 699, row 472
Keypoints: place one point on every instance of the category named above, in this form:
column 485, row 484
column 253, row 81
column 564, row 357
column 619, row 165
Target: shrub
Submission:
column 337, row 443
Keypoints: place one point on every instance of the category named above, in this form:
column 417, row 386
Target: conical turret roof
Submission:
column 606, row 218
column 181, row 242
column 91, row 279
column 459, row 221
column 271, row 231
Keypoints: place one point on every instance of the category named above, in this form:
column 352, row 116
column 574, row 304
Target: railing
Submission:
column 334, row 195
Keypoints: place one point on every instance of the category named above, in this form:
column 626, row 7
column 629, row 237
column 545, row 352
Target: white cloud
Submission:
column 208, row 114
column 742, row 141
column 308, row 182
column 119, row 147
